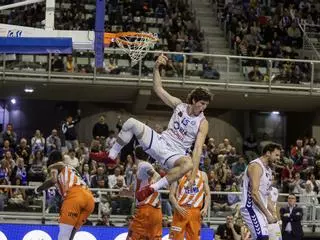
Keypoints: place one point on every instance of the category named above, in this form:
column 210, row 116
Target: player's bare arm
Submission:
column 173, row 199
column 58, row 166
column 196, row 154
column 166, row 97
column 255, row 173
column 172, row 194
column 50, row 182
column 207, row 194
column 271, row 207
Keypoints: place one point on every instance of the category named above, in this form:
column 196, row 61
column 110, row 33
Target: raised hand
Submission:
column 162, row 60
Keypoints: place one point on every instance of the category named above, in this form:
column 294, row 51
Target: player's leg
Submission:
column 68, row 218
column 256, row 223
column 86, row 202
column 137, row 228
column 155, row 225
column 194, row 225
column 178, row 168
column 66, row 232
column 179, row 165
column 178, row 227
column 130, row 128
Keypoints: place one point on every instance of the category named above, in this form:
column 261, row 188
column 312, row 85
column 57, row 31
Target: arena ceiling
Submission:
column 128, row 96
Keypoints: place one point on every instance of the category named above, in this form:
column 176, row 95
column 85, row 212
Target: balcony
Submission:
column 229, row 77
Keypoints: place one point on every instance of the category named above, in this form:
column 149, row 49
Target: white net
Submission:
column 136, row 46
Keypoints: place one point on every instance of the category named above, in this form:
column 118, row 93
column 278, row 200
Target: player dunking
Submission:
column 187, row 126
column 147, row 221
column 257, row 181
column 188, row 205
column 78, row 201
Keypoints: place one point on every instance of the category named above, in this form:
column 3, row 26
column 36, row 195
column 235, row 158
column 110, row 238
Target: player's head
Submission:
column 54, row 157
column 140, row 154
column 199, row 98
column 272, row 152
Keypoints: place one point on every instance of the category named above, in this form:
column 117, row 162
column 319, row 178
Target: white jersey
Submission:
column 182, row 129
column 274, row 193
column 264, row 188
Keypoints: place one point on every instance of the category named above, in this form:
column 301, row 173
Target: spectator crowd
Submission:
column 24, row 162
column 271, row 29
column 174, row 22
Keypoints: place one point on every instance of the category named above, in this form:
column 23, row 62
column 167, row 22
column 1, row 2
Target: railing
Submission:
column 308, row 43
column 221, row 72
column 213, row 218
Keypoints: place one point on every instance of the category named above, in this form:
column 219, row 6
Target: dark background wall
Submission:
column 27, row 116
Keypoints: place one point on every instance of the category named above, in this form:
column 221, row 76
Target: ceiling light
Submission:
column 13, row 101
column 28, row 90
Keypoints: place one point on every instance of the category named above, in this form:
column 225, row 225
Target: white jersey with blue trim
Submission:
column 274, row 194
column 182, row 129
column 264, row 187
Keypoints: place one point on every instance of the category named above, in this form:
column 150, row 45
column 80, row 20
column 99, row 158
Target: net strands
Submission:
column 137, row 45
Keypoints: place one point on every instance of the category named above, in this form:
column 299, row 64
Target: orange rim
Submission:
column 109, row 36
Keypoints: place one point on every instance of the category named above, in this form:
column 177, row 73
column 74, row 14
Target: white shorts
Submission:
column 274, row 231
column 159, row 149
column 255, row 221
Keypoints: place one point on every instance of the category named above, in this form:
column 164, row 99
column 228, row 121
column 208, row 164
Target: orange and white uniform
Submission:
column 78, row 201
column 192, row 200
column 147, row 221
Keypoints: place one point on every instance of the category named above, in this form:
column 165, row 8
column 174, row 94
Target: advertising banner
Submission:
column 50, row 232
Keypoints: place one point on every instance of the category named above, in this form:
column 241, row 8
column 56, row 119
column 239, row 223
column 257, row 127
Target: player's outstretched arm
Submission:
column 166, row 97
column 50, row 182
column 201, row 137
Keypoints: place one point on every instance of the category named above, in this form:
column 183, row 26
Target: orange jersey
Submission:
column 143, row 179
column 191, row 197
column 67, row 178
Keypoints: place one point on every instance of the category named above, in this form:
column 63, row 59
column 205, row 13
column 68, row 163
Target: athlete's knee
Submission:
column 129, row 124
column 134, row 126
column 65, row 232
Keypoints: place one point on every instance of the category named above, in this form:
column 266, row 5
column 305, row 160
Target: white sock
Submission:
column 163, row 182
column 114, row 151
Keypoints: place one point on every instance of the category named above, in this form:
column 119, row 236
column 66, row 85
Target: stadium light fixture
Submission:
column 13, row 101
column 28, row 90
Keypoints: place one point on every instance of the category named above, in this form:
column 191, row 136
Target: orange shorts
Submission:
column 146, row 224
column 77, row 206
column 189, row 226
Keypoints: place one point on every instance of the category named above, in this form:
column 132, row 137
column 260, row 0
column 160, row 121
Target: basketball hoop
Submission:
column 134, row 44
